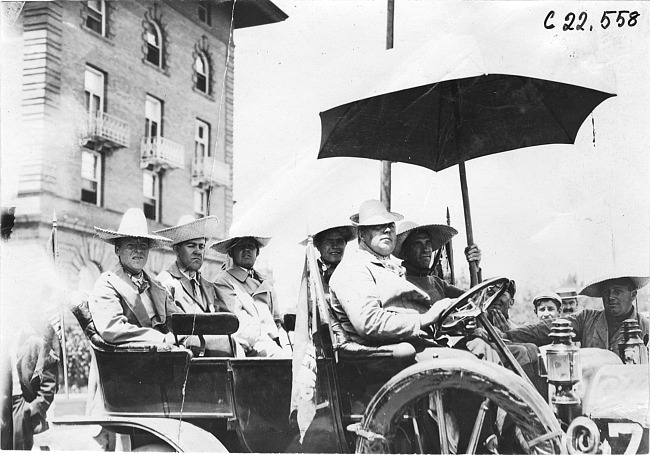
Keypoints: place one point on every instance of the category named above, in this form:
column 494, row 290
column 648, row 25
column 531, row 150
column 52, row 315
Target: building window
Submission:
column 151, row 193
column 201, row 68
column 94, row 90
column 201, row 203
column 201, row 140
column 91, row 175
column 96, row 18
column 154, row 44
column 152, row 117
column 204, row 12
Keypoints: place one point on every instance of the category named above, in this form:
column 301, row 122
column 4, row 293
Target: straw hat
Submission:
column 189, row 228
column 440, row 235
column 595, row 289
column 548, row 296
column 373, row 212
column 347, row 231
column 133, row 225
column 223, row 246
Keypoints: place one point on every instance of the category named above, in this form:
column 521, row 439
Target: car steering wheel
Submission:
column 475, row 301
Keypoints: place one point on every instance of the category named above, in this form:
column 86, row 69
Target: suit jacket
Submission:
column 253, row 302
column 180, row 288
column 589, row 325
column 258, row 288
column 118, row 311
column 363, row 291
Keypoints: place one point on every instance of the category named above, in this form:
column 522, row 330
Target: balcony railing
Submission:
column 161, row 153
column 105, row 132
column 209, row 171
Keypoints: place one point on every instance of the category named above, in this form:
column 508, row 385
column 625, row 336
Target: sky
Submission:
column 538, row 214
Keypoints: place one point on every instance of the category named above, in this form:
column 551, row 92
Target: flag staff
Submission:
column 64, row 347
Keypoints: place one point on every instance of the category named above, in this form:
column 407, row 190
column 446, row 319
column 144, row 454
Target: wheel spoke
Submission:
column 442, row 422
column 478, row 426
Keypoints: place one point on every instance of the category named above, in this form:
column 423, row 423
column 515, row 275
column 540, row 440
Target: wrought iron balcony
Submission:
column 209, row 171
column 105, row 132
column 158, row 153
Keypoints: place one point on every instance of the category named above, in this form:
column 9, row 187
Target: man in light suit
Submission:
column 250, row 296
column 191, row 292
column 127, row 304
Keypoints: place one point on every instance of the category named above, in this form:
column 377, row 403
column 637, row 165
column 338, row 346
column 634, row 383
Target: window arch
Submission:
column 202, row 72
column 154, row 44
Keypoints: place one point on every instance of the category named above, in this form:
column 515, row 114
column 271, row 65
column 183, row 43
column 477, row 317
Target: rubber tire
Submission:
column 519, row 399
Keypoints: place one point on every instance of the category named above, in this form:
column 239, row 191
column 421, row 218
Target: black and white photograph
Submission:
column 325, row 226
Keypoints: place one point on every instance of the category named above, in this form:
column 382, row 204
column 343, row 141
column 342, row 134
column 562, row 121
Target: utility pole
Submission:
column 385, row 165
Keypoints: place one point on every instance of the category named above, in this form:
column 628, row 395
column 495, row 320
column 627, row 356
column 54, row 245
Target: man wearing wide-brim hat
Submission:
column 597, row 328
column 330, row 242
column 191, row 292
column 415, row 244
column 250, row 296
column 369, row 288
column 127, row 304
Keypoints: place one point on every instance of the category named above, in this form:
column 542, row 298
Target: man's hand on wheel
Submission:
column 433, row 314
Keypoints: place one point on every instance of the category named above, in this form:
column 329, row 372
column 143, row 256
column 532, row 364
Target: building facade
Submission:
column 122, row 104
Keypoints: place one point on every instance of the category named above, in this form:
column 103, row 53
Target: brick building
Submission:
column 115, row 105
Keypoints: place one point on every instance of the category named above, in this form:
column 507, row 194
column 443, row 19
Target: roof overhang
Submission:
column 251, row 13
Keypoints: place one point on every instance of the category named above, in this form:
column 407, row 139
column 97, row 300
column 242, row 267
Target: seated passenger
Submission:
column 596, row 328
column 547, row 306
column 368, row 289
column 191, row 292
column 415, row 244
column 331, row 243
column 250, row 296
column 569, row 300
column 126, row 303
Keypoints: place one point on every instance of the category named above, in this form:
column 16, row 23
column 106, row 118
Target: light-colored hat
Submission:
column 440, row 235
column 373, row 212
column 223, row 246
column 189, row 228
column 347, row 231
column 133, row 225
column 595, row 289
column 548, row 296
column 567, row 293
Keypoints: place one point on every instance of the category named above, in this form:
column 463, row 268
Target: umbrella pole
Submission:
column 473, row 269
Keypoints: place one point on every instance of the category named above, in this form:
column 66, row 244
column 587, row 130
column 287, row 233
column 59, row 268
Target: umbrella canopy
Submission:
column 449, row 122
column 445, row 123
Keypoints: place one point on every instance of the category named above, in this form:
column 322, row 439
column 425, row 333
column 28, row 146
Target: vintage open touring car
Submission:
column 167, row 398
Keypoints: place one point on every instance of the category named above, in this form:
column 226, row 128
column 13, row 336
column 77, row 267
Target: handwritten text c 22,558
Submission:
column 580, row 21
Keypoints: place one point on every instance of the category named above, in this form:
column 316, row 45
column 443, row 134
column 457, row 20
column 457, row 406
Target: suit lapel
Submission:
column 122, row 283
column 187, row 287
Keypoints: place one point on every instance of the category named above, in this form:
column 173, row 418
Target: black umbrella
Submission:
column 449, row 122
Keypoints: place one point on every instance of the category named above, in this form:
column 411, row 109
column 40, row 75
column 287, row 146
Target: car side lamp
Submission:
column 563, row 365
column 632, row 350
